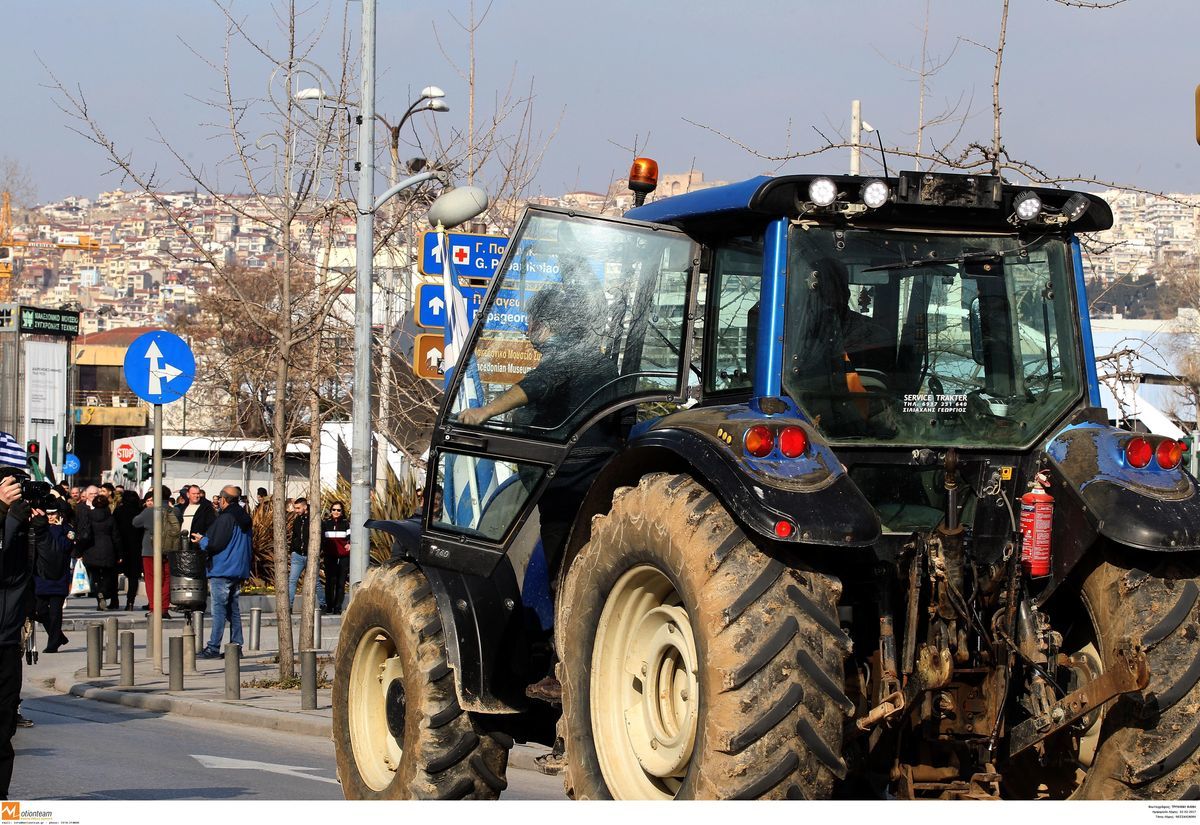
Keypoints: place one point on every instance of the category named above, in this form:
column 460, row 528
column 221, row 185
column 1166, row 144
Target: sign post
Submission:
column 159, row 368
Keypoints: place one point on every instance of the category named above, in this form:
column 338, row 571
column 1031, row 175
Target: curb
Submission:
column 521, row 757
column 218, row 711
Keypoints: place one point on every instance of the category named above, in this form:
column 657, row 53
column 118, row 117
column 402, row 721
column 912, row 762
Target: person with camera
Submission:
column 17, row 516
column 52, row 548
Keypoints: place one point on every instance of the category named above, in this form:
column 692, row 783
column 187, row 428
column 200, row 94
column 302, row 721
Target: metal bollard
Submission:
column 149, row 639
column 110, row 640
column 255, row 628
column 95, row 640
column 189, row 647
column 126, row 658
column 317, row 628
column 175, row 674
column 308, row 680
column 233, row 671
column 198, row 626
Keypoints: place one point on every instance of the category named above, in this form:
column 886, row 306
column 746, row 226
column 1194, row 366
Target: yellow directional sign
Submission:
column 427, row 355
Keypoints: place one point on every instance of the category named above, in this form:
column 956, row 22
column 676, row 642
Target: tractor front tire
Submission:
column 398, row 730
column 694, row 664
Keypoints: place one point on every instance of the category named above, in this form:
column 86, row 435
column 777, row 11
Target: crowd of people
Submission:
column 109, row 530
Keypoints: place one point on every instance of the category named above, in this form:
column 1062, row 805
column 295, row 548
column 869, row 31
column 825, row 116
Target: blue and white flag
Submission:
column 470, row 482
column 11, row 454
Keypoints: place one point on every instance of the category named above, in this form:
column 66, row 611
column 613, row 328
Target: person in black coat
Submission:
column 130, row 563
column 52, row 548
column 16, row 597
column 102, row 556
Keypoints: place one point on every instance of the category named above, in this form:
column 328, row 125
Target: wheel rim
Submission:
column 376, row 708
column 644, row 691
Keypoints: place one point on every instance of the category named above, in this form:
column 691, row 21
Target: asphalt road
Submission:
column 84, row 750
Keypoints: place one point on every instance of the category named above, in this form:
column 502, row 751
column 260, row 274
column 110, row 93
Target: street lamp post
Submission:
column 360, row 452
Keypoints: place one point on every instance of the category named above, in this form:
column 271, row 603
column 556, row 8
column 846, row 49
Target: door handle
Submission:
column 464, row 440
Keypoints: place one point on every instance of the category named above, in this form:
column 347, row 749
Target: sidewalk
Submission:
column 203, row 695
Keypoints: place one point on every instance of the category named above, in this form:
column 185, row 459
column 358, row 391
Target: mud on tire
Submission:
column 770, row 710
column 398, row 730
column 1150, row 740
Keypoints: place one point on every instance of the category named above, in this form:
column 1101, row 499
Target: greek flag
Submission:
column 11, row 454
column 469, row 482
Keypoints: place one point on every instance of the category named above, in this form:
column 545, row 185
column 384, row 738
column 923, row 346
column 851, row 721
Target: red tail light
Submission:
column 1169, row 454
column 793, row 442
column 759, row 441
column 1138, row 452
column 784, row 529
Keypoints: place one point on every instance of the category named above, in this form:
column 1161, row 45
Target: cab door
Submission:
column 629, row 293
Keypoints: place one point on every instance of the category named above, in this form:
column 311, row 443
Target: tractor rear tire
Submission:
column 398, row 729
column 694, row 664
column 1150, row 740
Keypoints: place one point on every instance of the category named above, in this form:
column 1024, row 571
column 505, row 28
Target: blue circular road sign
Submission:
column 70, row 464
column 159, row 367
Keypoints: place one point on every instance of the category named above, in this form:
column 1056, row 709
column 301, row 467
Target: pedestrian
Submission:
column 102, row 554
column 227, row 544
column 74, row 497
column 298, row 545
column 170, row 538
column 83, row 519
column 335, row 551
column 52, row 548
column 197, row 515
column 130, row 562
column 263, row 498
column 16, row 596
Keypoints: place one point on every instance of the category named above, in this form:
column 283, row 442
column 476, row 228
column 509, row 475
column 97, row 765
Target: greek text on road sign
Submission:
column 159, row 367
column 473, row 256
column 507, row 312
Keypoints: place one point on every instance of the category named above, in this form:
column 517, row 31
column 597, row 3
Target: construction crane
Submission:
column 83, row 243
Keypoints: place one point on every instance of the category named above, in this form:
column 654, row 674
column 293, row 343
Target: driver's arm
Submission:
column 510, row 399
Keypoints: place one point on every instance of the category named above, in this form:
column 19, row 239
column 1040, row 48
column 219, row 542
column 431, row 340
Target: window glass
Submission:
column 481, row 496
column 930, row 339
column 587, row 313
column 737, row 276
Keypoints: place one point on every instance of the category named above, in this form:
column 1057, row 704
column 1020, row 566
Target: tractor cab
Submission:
column 912, row 313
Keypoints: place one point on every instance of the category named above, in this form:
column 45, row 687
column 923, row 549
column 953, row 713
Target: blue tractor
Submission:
column 794, row 488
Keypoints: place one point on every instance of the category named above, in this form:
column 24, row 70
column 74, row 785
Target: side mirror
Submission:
column 976, row 325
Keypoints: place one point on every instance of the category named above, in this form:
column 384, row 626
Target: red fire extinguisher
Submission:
column 1037, row 516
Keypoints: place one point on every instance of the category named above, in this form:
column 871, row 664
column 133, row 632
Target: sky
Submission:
column 1103, row 93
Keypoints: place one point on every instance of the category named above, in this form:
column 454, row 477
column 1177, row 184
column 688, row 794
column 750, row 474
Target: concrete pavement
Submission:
column 203, row 694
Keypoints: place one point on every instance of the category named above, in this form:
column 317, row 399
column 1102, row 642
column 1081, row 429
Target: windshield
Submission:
column 930, row 339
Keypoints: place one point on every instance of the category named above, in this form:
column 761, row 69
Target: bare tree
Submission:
column 292, row 176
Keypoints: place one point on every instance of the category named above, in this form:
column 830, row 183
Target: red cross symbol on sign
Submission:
column 461, row 254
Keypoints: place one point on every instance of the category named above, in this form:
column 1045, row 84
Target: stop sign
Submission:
column 125, row 453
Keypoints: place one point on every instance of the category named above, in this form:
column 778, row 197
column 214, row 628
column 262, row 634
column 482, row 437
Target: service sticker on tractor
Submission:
column 926, row 403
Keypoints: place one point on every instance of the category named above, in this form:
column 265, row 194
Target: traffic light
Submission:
column 33, row 451
column 130, row 470
column 144, row 467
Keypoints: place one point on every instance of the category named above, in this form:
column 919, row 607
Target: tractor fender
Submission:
column 1100, row 494
column 484, row 624
column 813, row 492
